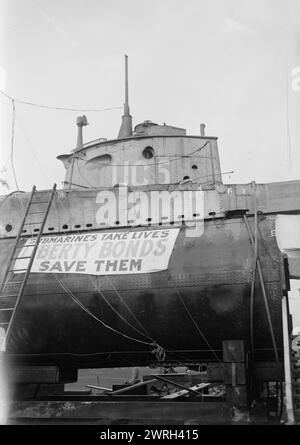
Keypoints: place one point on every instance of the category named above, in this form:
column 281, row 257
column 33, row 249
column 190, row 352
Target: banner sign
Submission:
column 102, row 253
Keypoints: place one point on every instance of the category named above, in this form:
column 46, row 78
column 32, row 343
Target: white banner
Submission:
column 102, row 253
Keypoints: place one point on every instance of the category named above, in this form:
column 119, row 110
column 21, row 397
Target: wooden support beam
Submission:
column 131, row 412
column 184, row 392
column 100, row 388
column 159, row 377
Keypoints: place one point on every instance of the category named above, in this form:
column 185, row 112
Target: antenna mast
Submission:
column 126, row 126
column 126, row 105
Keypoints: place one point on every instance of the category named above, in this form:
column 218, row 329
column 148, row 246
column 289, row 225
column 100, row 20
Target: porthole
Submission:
column 195, row 167
column 77, row 226
column 186, row 178
column 89, row 225
column 65, row 226
column 50, row 228
column 8, row 227
column 148, row 152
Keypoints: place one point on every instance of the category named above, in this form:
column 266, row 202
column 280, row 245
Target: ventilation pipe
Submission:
column 81, row 121
column 202, row 130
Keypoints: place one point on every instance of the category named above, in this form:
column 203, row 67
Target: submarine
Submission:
column 145, row 256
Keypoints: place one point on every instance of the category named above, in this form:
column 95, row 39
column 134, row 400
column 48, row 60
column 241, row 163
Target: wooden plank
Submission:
column 100, row 388
column 183, row 392
column 159, row 377
column 110, row 411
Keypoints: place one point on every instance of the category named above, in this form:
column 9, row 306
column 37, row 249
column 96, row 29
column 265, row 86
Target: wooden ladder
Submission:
column 8, row 297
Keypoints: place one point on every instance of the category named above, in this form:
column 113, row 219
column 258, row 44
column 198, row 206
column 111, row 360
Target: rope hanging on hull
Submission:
column 76, row 300
column 156, row 349
column 196, row 326
column 258, row 268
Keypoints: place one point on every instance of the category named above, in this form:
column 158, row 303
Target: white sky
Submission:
column 226, row 63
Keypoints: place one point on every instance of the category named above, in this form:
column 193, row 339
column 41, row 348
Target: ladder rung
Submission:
column 17, row 270
column 2, row 297
column 4, row 322
column 35, row 198
column 38, row 202
column 13, row 282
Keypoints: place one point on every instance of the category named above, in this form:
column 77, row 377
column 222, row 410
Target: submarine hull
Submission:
column 201, row 299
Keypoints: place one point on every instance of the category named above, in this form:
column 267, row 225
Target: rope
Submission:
column 159, row 353
column 155, row 163
column 196, row 326
column 129, row 310
column 32, row 104
column 116, row 312
column 157, row 350
column 10, row 194
column 262, row 284
column 31, row 147
column 72, row 296
column 12, row 142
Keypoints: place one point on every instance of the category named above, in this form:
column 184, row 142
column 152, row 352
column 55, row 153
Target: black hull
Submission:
column 207, row 284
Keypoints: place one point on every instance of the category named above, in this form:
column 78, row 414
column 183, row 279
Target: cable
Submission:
column 12, row 142
column 218, row 174
column 158, row 349
column 7, row 196
column 129, row 310
column 82, row 176
column 147, row 165
column 288, row 134
column 5, row 164
column 139, row 165
column 58, row 108
column 116, row 312
column 262, row 285
column 31, row 147
column 72, row 296
column 184, row 156
column 195, row 324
